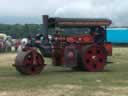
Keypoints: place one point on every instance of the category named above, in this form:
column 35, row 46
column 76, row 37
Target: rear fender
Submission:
column 108, row 47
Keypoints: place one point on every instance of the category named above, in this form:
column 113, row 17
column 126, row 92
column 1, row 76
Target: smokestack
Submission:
column 45, row 25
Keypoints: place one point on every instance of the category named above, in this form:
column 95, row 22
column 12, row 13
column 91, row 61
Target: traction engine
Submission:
column 76, row 43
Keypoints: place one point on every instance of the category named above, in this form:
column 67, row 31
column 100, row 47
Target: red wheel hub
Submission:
column 94, row 58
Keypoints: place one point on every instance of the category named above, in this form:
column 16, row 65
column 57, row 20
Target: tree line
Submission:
column 20, row 30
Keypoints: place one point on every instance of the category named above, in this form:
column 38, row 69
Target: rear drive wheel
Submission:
column 94, row 58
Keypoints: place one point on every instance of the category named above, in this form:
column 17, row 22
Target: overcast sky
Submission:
column 114, row 9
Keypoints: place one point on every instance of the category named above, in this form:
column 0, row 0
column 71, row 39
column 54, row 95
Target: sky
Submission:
column 116, row 10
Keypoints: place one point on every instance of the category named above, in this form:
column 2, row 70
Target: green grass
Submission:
column 57, row 81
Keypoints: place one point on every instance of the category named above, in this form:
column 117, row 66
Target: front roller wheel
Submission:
column 29, row 62
column 94, row 58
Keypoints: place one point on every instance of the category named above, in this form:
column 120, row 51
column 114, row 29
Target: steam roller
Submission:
column 76, row 43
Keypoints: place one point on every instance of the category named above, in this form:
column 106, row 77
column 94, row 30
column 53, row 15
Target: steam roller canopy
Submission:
column 29, row 62
column 94, row 58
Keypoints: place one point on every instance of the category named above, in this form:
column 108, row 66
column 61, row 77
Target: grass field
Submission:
column 55, row 81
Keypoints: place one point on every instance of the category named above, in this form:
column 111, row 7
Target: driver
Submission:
column 98, row 34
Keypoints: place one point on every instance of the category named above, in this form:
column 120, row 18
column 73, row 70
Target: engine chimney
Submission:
column 45, row 25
